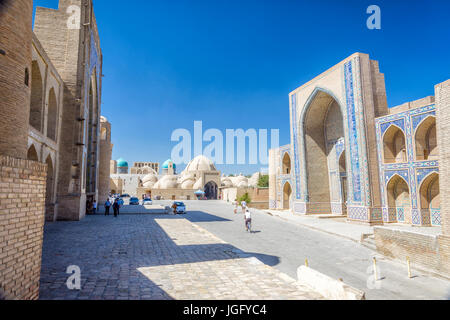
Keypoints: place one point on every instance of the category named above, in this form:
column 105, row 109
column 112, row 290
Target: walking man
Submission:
column 116, row 207
column 94, row 207
column 107, row 206
column 244, row 206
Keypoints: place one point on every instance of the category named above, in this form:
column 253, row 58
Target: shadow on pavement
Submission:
column 110, row 251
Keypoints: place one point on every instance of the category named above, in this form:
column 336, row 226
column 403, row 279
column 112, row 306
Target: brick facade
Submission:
column 75, row 52
column 443, row 136
column 15, row 70
column 105, row 158
column 22, row 203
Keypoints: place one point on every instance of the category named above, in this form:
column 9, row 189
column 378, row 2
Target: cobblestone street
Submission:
column 155, row 257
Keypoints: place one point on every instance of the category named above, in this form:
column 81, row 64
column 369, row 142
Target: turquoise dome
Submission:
column 166, row 164
column 121, row 163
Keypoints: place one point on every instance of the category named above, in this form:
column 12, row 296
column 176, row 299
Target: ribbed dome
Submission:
column 167, row 182
column 201, row 163
column 226, row 182
column 150, row 177
column 121, row 163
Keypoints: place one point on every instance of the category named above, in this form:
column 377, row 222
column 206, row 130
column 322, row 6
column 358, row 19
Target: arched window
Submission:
column 36, row 101
column 52, row 117
column 399, row 200
column 426, row 142
column 32, row 154
column 430, row 201
column 287, row 193
column 394, row 145
column 286, row 164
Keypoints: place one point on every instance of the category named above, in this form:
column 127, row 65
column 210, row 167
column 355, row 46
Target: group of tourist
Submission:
column 115, row 205
column 246, row 212
column 91, row 207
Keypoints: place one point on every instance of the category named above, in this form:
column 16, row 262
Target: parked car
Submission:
column 181, row 207
column 134, row 201
column 147, row 202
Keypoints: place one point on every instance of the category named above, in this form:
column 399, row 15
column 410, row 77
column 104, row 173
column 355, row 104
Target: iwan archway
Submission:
column 323, row 132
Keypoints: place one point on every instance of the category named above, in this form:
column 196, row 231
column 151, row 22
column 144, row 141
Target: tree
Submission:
column 263, row 181
column 245, row 197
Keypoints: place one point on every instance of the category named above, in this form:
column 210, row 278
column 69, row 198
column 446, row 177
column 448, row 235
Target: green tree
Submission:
column 245, row 197
column 263, row 181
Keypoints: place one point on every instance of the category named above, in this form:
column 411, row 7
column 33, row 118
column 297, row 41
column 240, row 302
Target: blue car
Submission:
column 181, row 207
column 134, row 201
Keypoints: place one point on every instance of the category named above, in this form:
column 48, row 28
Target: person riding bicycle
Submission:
column 248, row 220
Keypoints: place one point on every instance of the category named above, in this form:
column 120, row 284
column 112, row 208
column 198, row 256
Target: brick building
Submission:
column 69, row 37
column 50, row 97
column 353, row 156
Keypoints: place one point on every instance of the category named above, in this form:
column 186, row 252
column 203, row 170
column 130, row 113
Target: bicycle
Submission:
column 248, row 225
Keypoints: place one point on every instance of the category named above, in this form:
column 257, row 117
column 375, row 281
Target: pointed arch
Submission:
column 286, row 163
column 430, row 203
column 394, row 145
column 322, row 124
column 32, row 153
column 287, row 195
column 399, row 200
column 426, row 140
column 52, row 115
column 37, row 97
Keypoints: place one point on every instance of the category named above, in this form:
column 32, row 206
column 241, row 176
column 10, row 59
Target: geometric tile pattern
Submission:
column 412, row 171
column 352, row 132
column 435, row 217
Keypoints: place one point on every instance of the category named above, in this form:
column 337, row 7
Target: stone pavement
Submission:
column 155, row 257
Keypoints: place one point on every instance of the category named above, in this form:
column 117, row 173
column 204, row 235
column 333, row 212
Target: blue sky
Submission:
column 232, row 64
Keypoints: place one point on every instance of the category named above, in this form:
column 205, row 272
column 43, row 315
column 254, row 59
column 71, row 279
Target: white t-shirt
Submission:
column 248, row 215
column 244, row 204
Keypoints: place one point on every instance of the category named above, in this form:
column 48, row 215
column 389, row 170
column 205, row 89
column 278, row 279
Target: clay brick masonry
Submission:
column 22, row 203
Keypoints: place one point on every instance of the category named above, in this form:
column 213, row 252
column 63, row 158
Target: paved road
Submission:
column 155, row 257
column 285, row 246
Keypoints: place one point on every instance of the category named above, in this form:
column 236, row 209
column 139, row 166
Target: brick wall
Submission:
column 22, row 205
column 425, row 251
column 15, row 59
column 443, row 137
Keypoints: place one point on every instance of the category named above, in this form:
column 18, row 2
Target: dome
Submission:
column 150, row 178
column 199, row 184
column 188, row 184
column 149, row 184
column 201, row 163
column 242, row 184
column 167, row 163
column 226, row 182
column 253, row 181
column 121, row 163
column 167, row 182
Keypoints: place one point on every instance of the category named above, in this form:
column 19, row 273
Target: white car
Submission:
column 147, row 202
